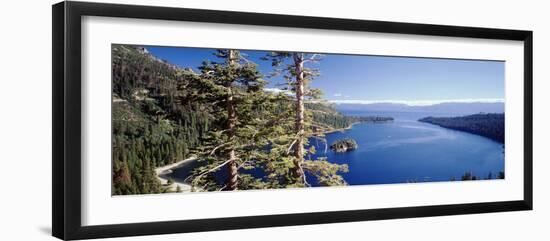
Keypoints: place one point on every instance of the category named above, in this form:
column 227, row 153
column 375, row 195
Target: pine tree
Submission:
column 292, row 66
column 163, row 114
column 233, row 88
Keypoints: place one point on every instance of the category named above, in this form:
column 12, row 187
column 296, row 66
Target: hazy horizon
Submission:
column 419, row 102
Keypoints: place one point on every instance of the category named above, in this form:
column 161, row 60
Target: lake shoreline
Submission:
column 342, row 129
column 396, row 152
column 354, row 123
column 163, row 172
column 486, row 125
column 466, row 131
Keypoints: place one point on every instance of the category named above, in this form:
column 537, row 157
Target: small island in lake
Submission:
column 187, row 119
column 487, row 125
column 344, row 145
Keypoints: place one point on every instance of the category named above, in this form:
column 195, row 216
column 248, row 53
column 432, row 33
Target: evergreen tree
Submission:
column 298, row 76
column 154, row 118
column 246, row 137
column 233, row 87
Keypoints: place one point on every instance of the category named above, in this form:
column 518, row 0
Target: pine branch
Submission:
column 322, row 140
column 314, row 58
column 294, row 142
column 211, row 170
column 304, row 176
column 291, row 145
column 217, row 147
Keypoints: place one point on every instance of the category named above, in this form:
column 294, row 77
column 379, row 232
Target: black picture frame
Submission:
column 66, row 47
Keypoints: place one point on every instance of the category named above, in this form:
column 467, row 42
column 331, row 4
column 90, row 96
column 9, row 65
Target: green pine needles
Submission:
column 242, row 135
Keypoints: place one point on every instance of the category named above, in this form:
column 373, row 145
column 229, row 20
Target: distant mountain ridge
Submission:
column 447, row 107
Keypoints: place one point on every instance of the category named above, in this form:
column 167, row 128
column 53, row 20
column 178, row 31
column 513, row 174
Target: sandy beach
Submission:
column 163, row 172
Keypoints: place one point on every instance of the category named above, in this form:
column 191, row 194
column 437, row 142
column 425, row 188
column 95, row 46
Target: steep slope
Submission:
column 157, row 118
column 154, row 123
column 325, row 115
column 488, row 125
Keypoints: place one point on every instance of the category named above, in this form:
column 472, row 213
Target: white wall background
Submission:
column 25, row 119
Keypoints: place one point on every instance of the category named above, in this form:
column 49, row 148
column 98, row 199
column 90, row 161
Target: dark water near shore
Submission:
column 407, row 150
column 403, row 150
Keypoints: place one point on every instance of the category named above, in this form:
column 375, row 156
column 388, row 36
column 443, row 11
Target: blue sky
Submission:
column 379, row 78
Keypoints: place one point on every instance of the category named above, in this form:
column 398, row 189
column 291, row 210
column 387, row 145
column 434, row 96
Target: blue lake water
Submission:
column 407, row 150
column 404, row 150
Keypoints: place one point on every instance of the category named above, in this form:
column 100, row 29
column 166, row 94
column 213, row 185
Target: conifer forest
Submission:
column 231, row 121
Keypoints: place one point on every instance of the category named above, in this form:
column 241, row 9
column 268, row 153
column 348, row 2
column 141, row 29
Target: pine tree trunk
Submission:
column 299, row 121
column 232, row 181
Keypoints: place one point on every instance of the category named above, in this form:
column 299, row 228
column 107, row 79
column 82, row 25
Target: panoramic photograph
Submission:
column 205, row 120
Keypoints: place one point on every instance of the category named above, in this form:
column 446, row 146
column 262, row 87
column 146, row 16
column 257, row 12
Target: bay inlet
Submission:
column 406, row 150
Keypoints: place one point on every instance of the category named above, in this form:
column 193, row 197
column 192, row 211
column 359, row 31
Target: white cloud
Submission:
column 337, row 94
column 276, row 91
column 418, row 102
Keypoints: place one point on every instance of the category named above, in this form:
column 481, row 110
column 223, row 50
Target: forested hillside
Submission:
column 488, row 125
column 325, row 114
column 162, row 114
column 154, row 121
